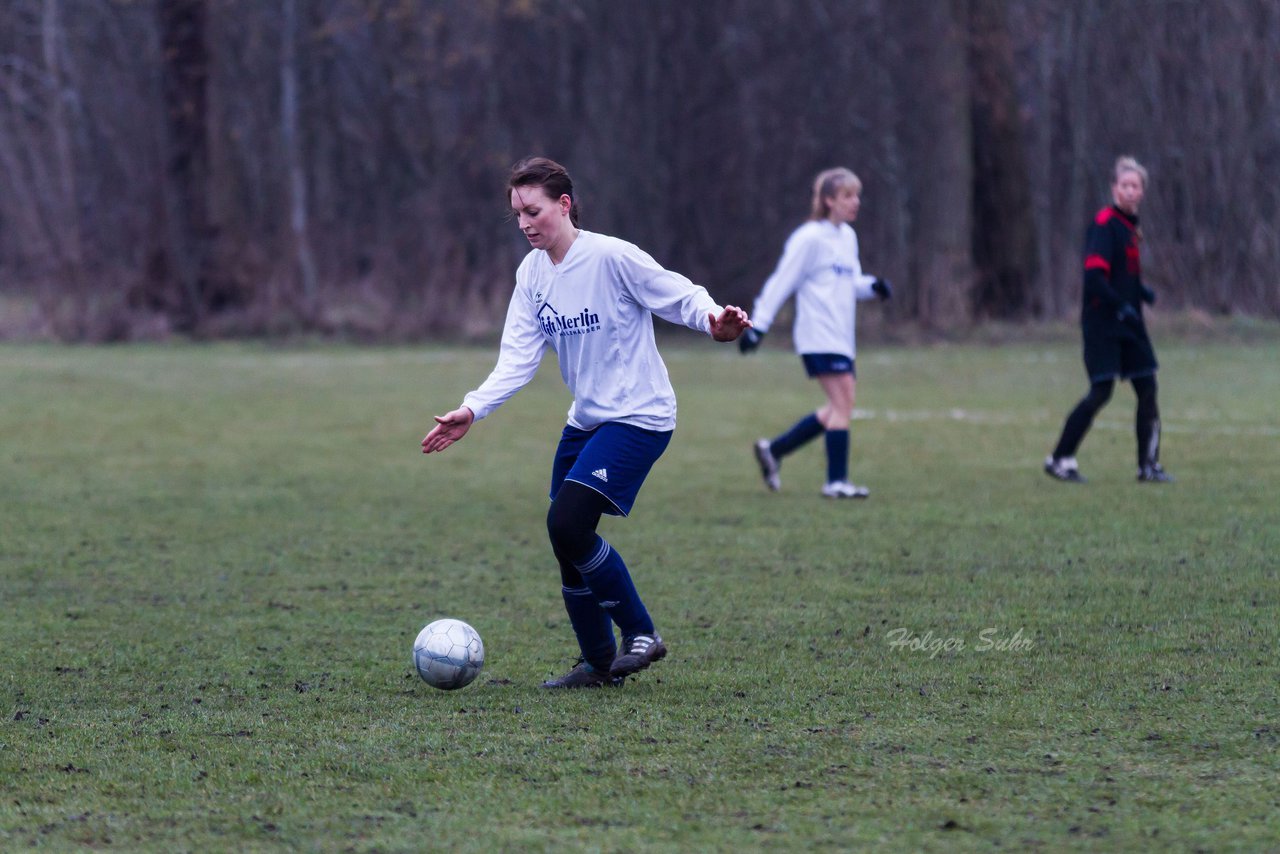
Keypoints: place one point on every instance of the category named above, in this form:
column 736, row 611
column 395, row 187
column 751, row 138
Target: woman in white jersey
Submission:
column 820, row 266
column 591, row 298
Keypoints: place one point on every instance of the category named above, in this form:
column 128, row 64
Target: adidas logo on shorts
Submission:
column 602, row 474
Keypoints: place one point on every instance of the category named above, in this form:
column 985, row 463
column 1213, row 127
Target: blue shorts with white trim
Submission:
column 613, row 459
column 816, row 364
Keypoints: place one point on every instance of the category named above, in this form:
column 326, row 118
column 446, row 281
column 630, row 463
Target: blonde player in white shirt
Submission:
column 591, row 298
column 820, row 266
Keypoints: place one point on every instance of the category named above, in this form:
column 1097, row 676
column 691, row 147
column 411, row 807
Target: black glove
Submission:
column 1128, row 315
column 882, row 288
column 1148, row 295
column 749, row 340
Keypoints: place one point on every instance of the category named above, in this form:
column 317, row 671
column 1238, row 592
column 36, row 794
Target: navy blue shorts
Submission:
column 613, row 459
column 827, row 363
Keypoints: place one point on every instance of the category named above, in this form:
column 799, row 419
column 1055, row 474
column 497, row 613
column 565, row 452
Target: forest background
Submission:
column 336, row 167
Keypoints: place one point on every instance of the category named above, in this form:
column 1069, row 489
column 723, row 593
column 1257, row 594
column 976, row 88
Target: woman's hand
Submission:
column 730, row 324
column 449, row 428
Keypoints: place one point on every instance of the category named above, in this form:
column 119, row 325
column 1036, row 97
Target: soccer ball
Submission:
column 448, row 654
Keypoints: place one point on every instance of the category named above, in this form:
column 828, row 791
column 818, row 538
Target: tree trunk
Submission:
column 293, row 158
column 185, row 253
column 66, row 204
column 1004, row 240
column 937, row 156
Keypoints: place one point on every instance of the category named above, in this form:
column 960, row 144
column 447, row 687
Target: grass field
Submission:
column 215, row 560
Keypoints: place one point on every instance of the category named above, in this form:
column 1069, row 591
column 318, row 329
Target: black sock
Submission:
column 1147, row 421
column 1081, row 418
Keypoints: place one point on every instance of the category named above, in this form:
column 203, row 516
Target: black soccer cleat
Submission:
column 1064, row 469
column 638, row 652
column 583, row 675
column 1154, row 473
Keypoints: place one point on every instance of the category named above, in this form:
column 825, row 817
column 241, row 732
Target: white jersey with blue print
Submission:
column 820, row 266
column 595, row 309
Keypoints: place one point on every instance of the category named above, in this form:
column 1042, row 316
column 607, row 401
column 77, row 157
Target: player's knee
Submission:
column 1145, row 389
column 570, row 534
column 569, row 575
column 558, row 526
column 1099, row 394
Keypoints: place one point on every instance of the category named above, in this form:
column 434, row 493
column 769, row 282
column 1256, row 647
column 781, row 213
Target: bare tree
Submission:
column 242, row 167
column 298, row 213
column 1003, row 238
column 936, row 176
column 184, row 255
column 66, row 204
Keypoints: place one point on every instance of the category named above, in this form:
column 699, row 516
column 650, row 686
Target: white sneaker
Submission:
column 1065, row 469
column 844, row 489
column 768, row 465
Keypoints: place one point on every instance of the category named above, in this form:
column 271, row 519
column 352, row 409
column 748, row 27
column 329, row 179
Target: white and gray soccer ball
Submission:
column 448, row 654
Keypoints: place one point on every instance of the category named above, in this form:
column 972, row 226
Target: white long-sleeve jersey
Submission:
column 595, row 309
column 820, row 265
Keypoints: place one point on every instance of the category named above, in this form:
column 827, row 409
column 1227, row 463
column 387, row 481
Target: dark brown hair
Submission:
column 549, row 175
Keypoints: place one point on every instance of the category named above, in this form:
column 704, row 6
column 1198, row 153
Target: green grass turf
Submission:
column 215, row 560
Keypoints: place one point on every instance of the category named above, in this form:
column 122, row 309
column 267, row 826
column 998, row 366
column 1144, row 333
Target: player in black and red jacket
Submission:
column 1116, row 343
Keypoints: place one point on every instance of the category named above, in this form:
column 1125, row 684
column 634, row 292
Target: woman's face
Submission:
column 544, row 220
column 1126, row 192
column 844, row 204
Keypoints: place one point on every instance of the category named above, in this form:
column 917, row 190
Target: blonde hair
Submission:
column 1128, row 164
column 826, row 185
